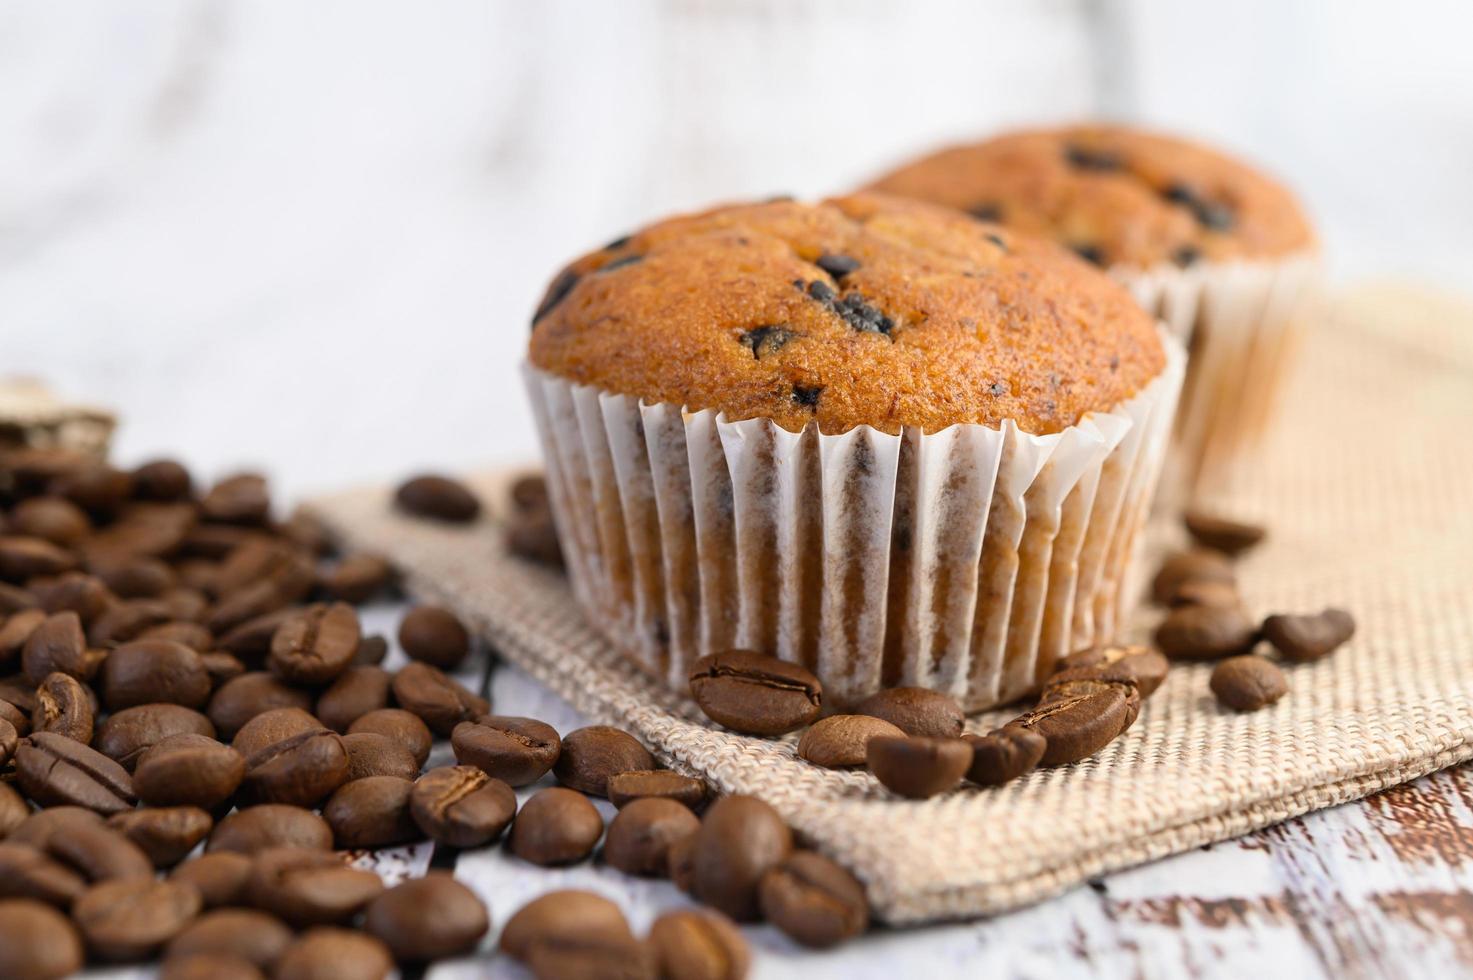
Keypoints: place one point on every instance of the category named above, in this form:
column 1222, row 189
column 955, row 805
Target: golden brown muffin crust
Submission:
column 1113, row 194
column 865, row 310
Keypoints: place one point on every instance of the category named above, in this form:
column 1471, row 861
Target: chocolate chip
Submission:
column 822, row 292
column 1090, row 253
column 987, row 211
column 556, row 293
column 1186, row 255
column 997, row 240
column 806, row 397
column 1217, row 217
column 767, row 339
column 621, row 263
column 837, row 266
column 1089, row 159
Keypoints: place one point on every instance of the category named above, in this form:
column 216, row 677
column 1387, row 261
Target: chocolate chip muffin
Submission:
column 1217, row 249
column 873, row 436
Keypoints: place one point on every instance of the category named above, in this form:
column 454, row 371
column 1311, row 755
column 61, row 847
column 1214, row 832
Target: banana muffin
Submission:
column 1220, row 251
column 873, row 436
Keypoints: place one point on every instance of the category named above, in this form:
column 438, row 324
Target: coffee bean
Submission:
column 842, row 740
column 441, row 701
column 14, row 599
column 1059, row 689
column 461, row 806
column 94, row 486
column 254, row 936
column 13, row 809
column 316, row 645
column 371, row 812
column 590, row 755
column 334, row 954
column 40, row 944
column 55, row 519
column 400, row 726
column 9, row 740
column 370, row 754
column 755, row 694
column 1004, row 754
column 813, row 900
column 529, row 493
column 641, row 833
column 63, row 706
column 433, row 634
column 239, row 499
column 1206, row 633
column 56, row 645
column 1248, row 682
column 99, row 852
column 17, row 630
column 128, row 919
column 916, row 711
column 1142, row 665
column 591, row 959
column 429, row 918
column 270, row 825
column 162, row 479
column 23, row 558
column 270, row 727
column 439, row 498
column 740, row 838
column 918, row 767
column 1078, row 727
column 1201, row 592
column 1302, row 639
column 152, row 672
column 75, row 592
column 302, row 770
column 372, row 651
column 517, row 751
column 533, row 536
column 1200, row 564
column 26, row 872
column 127, row 734
column 1221, row 534
column 39, row 827
column 54, row 770
column 699, row 944
column 239, row 700
column 19, row 721
column 188, row 770
column 358, row 578
column 127, row 620
column 248, row 603
column 251, row 639
column 309, row 887
column 221, row 667
column 165, row 834
column 208, row 966
column 561, row 918
column 192, row 635
column 639, row 784
column 556, row 826
column 220, row 877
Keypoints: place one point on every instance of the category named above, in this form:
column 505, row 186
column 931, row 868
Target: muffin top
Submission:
column 863, row 310
column 1117, row 196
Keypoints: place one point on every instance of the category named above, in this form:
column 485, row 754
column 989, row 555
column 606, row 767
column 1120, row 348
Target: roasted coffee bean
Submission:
column 356, row 692
column 75, row 592
column 372, row 651
column 128, row 919
column 641, row 833
column 1201, row 592
column 142, row 530
column 40, row 944
column 1221, row 534
column 94, row 486
column 302, row 770
column 813, row 900
column 54, row 770
column 192, row 635
column 589, row 756
column 126, row 735
column 434, row 635
column 842, row 740
column 220, row 877
column 640, row 784
column 441, row 701
column 9, row 740
column 17, row 630
column 439, row 498
column 239, row 499
column 918, row 767
column 37, row 829
column 270, row 727
column 371, row 812
column 317, row 645
column 251, row 640
column 699, row 944
column 13, row 810
column 185, row 603
column 257, row 937
column 517, row 751
column 257, row 557
column 358, row 578
column 1004, row 754
column 99, row 852
column 309, row 887
column 165, row 834
column 208, row 966
column 563, row 918
column 916, row 711
column 14, row 599
column 1078, row 727
column 1142, row 665
column 1303, row 639
column 26, row 872
column 55, row 519
column 248, row 603
column 239, row 700
column 556, row 826
column 334, row 954
column 127, row 620
column 1248, row 682
column 591, row 959
column 215, row 541
column 221, row 667
column 461, row 806
column 1059, row 689
column 400, row 726
column 1206, row 633
column 23, row 558
column 533, row 536
column 19, row 721
column 64, row 706
column 153, row 672
column 188, row 770
column 429, row 918
column 162, row 479
column 740, row 838
column 755, row 694
column 529, row 493
column 57, row 646
column 681, row 859
column 370, row 754
column 1200, row 564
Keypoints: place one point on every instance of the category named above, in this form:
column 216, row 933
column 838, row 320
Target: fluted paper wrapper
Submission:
column 1241, row 321
column 967, row 560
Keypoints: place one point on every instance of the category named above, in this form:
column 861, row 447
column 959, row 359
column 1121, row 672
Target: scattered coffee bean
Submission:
column 842, row 740
column 165, row 834
column 699, row 944
column 13, row 809
column 39, row 827
column 1059, row 689
column 918, row 767
column 127, row 734
column 208, row 966
column 153, row 672
column 251, row 639
column 556, row 826
column 461, row 806
column 1221, row 534
column 533, row 536
column 372, row 651
column 429, row 918
column 400, row 726
column 270, row 727
column 128, row 919
column 127, row 620
column 239, row 499
column 23, row 558
column 63, row 706
column 740, row 838
column 641, row 784
column 188, row 770
column 308, row 887
column 55, row 519
column 316, row 645
column 1206, row 632
column 755, row 694
column 1004, row 754
column 433, row 634
column 517, row 751
column 257, row 937
column 589, row 756
column 40, row 944
column 54, row 770
column 358, row 578
column 26, row 872
column 371, row 812
column 813, row 900
column 356, row 692
column 220, row 876
column 1077, row 727
column 1142, row 665
column 162, row 479
column 562, row 917
column 439, row 498
column 1200, row 564
column 370, row 754
column 916, row 711
column 591, row 958
column 243, row 698
column 270, row 825
column 641, row 833
column 1201, row 592
column 334, row 954
column 99, row 852
column 302, row 770
column 17, row 630
column 1248, row 682
column 1302, row 639
column 440, row 700
column 56, row 646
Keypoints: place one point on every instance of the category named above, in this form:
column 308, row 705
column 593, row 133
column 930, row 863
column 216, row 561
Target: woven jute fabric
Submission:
column 1366, row 482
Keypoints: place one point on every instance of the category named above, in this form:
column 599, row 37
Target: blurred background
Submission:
column 308, row 236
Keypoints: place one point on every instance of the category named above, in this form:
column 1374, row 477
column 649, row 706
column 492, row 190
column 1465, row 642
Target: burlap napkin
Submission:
column 1368, row 487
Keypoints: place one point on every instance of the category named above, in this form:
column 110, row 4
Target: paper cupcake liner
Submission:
column 967, row 560
column 1241, row 322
